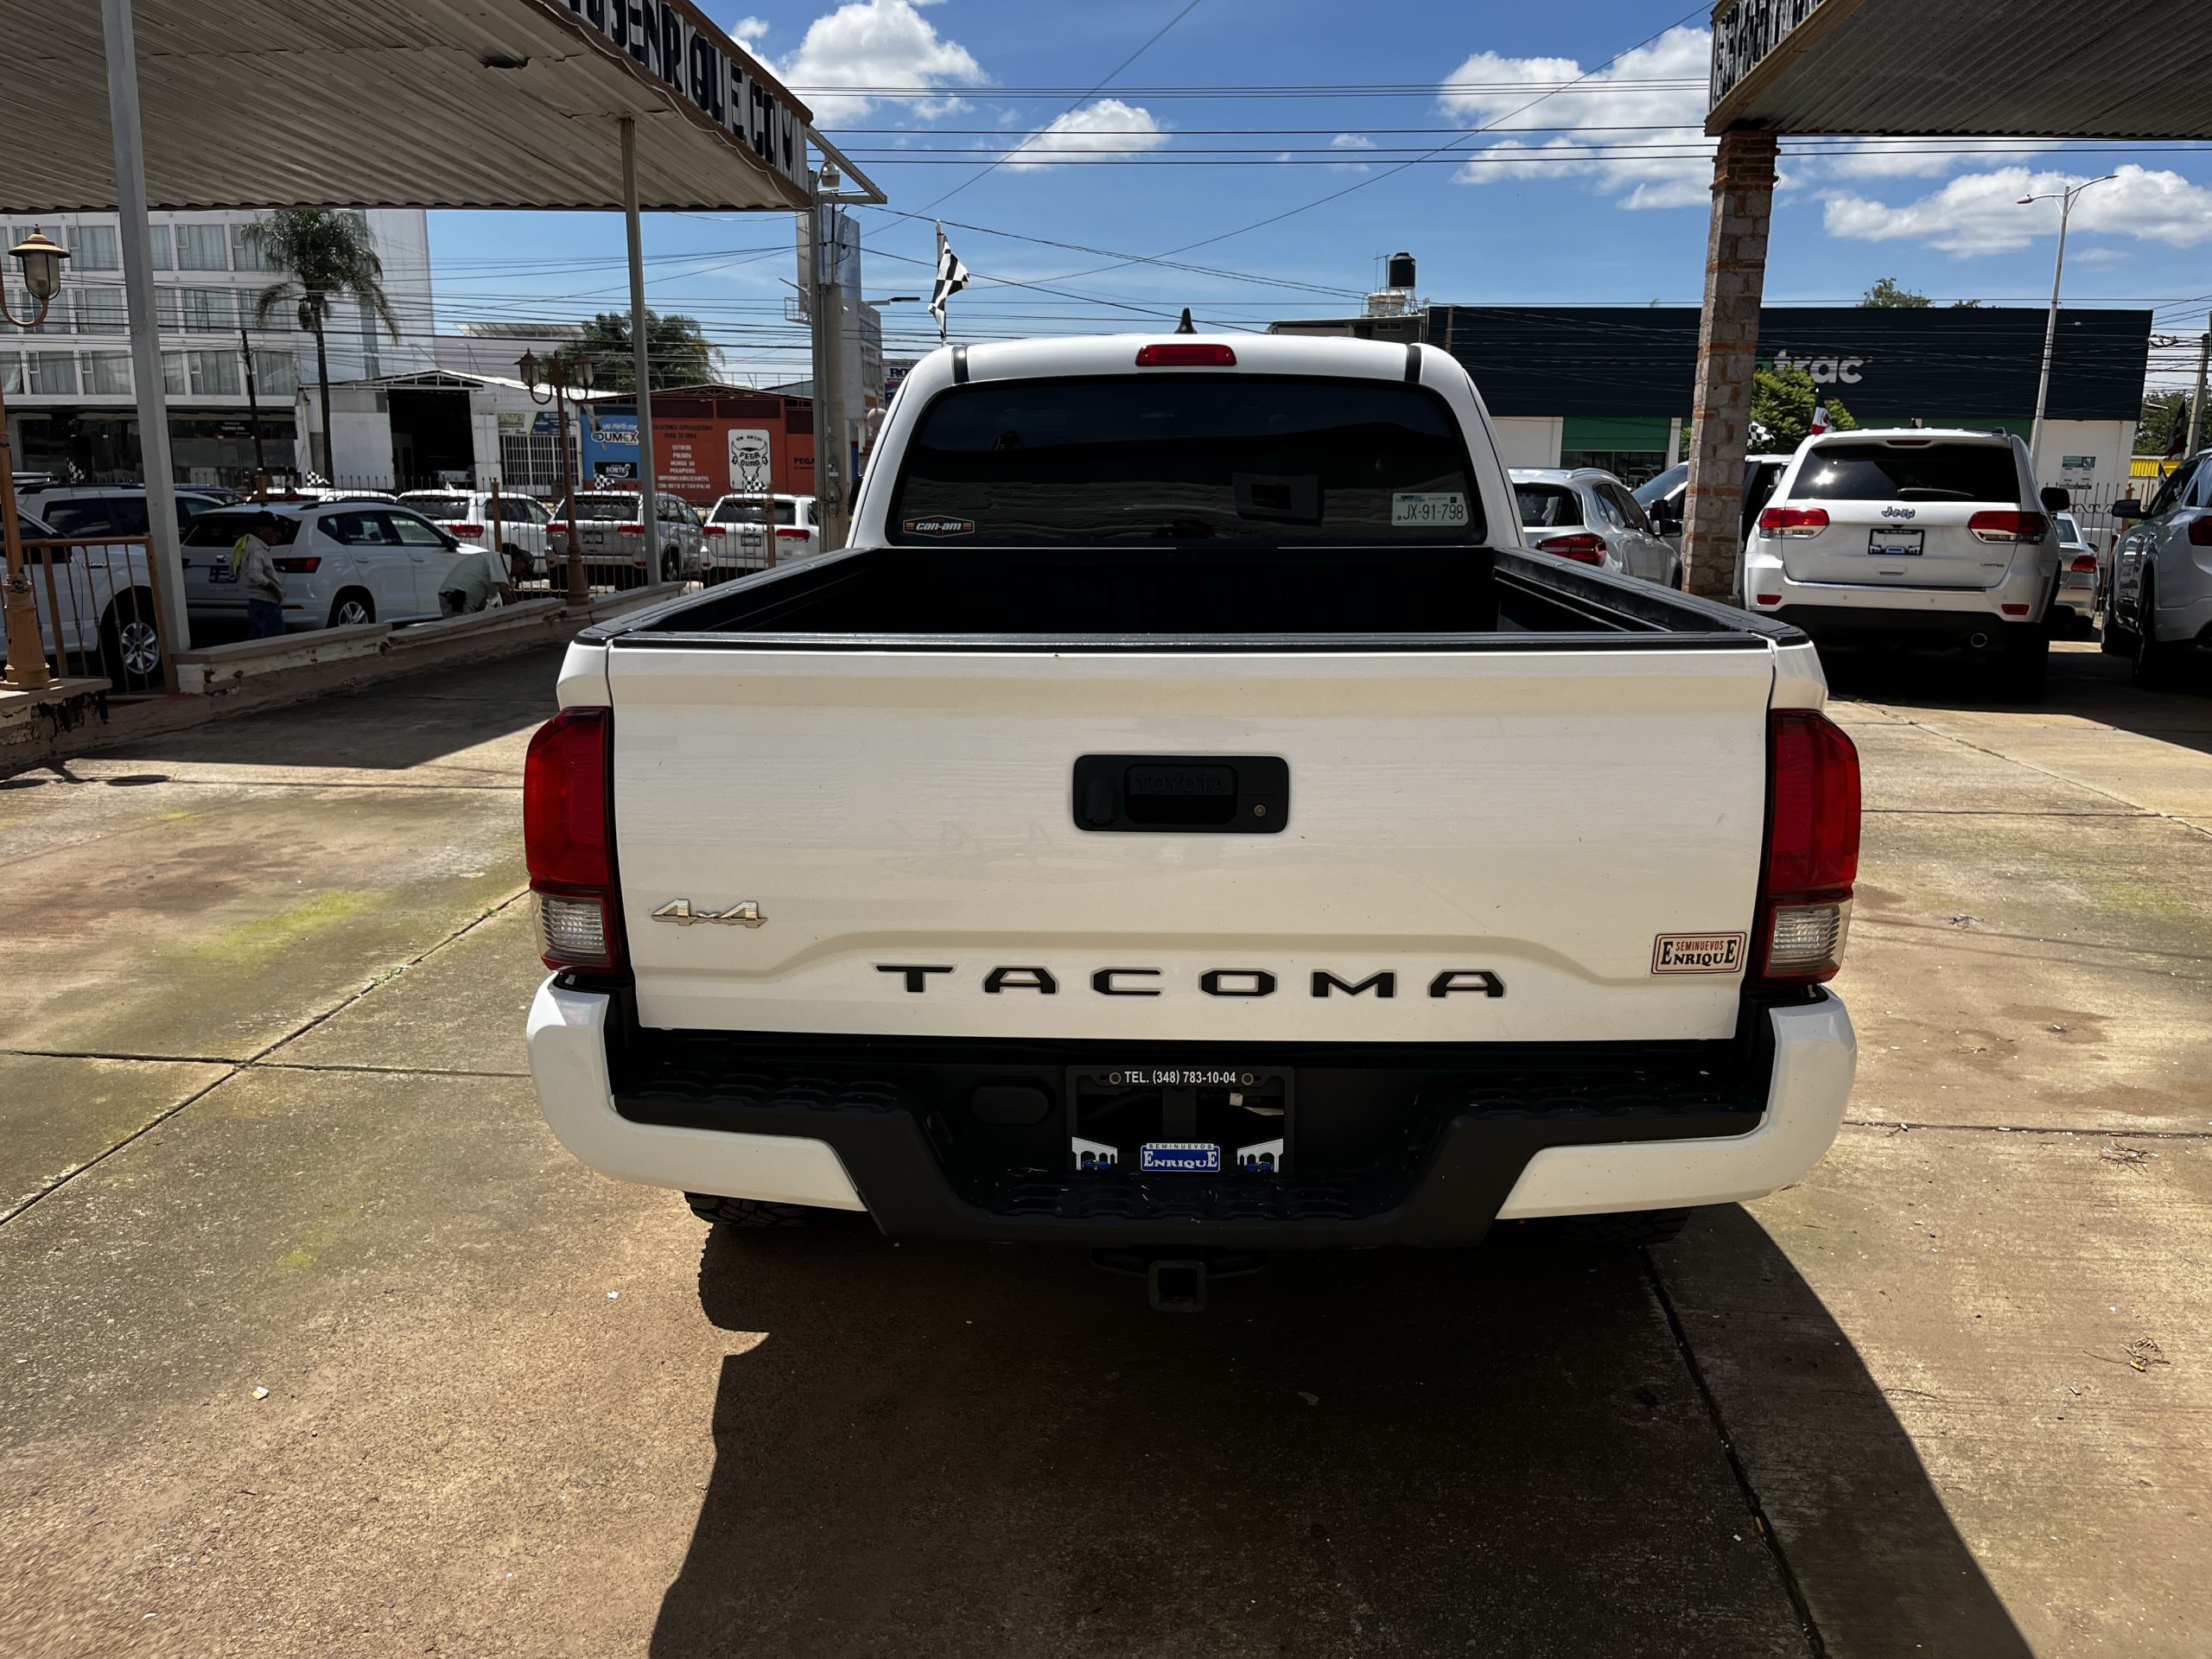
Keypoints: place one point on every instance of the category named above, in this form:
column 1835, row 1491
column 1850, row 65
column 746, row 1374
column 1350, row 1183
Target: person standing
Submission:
column 254, row 567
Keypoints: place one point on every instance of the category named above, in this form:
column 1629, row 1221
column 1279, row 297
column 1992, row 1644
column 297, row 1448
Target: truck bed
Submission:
column 1270, row 598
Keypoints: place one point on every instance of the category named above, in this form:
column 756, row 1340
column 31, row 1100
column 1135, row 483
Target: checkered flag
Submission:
column 951, row 277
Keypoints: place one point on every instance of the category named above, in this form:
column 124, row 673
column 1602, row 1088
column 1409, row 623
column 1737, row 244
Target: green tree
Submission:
column 321, row 252
column 1886, row 296
column 1782, row 401
column 676, row 350
column 2165, row 413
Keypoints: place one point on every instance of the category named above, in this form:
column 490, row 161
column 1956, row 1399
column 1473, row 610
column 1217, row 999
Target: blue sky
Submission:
column 1587, row 183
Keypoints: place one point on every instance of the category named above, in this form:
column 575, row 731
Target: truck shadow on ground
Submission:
column 949, row 1449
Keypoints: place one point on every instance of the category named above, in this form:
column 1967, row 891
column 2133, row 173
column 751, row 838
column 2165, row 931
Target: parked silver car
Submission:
column 2158, row 603
column 616, row 548
column 1588, row 516
column 2081, row 575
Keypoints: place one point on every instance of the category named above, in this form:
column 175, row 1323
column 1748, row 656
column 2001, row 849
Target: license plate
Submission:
column 595, row 534
column 220, row 571
column 1897, row 543
column 1179, row 1157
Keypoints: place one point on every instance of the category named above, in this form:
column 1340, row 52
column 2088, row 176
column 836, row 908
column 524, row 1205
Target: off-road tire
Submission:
column 1622, row 1230
column 747, row 1213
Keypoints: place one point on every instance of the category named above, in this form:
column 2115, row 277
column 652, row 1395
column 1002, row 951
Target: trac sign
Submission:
column 1826, row 371
column 666, row 40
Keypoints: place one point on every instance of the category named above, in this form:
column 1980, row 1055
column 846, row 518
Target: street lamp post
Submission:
column 2065, row 200
column 563, row 373
column 41, row 260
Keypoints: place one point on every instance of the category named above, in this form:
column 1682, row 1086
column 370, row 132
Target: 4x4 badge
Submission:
column 745, row 913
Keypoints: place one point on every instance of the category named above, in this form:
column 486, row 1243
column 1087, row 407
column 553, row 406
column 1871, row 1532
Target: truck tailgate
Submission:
column 1505, row 835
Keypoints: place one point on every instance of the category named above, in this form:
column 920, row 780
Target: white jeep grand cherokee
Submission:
column 1915, row 539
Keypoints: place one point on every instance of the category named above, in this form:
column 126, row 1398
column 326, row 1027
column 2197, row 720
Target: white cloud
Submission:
column 1087, row 133
column 1677, row 170
column 749, row 32
column 876, row 44
column 1348, row 141
column 1979, row 212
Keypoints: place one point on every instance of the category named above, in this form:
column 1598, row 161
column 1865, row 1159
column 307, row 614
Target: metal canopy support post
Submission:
column 833, row 454
column 145, row 336
column 817, row 316
column 640, row 350
column 1727, row 361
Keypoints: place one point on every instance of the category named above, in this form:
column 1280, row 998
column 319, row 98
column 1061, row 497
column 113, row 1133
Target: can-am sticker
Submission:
column 1697, row 953
column 939, row 526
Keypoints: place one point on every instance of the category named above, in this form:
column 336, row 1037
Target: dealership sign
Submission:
column 1826, row 371
column 667, row 44
column 1745, row 35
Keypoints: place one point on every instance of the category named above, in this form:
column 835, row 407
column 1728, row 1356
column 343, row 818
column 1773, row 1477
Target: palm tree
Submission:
column 321, row 252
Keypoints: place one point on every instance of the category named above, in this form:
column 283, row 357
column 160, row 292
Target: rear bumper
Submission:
column 1929, row 616
column 861, row 1142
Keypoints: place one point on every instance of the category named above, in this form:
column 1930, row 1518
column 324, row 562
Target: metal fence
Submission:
column 99, row 611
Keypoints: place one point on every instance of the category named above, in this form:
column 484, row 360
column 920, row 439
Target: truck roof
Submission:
column 1093, row 354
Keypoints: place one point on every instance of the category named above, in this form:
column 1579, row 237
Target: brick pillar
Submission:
column 1728, row 352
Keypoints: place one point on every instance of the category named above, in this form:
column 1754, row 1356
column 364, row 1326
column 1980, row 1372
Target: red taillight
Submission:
column 1186, row 355
column 558, row 527
column 792, row 532
column 2014, row 610
column 1812, row 848
column 296, row 567
column 466, row 530
column 631, row 529
column 1770, row 599
column 1793, row 521
column 2006, row 525
column 1583, row 549
column 2200, row 532
column 717, row 530
column 567, row 823
column 2089, row 561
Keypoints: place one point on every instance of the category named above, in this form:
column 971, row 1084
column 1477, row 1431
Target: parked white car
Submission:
column 736, row 537
column 341, row 563
column 1913, row 538
column 467, row 516
column 2158, row 603
column 2081, row 575
column 1588, row 516
column 96, row 612
column 616, row 553
column 109, row 509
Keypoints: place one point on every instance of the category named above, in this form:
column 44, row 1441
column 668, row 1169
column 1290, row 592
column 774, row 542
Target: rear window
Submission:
column 748, row 513
column 1545, row 507
column 606, row 509
column 1931, row 472
column 223, row 529
column 1180, row 458
column 438, row 506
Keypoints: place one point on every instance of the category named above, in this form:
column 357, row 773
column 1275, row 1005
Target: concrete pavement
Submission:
column 268, row 1129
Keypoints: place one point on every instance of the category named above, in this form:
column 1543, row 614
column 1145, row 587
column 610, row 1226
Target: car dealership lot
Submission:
column 1947, row 1395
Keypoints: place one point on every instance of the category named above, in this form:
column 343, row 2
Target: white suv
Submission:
column 1914, row 538
column 737, row 539
column 465, row 515
column 615, row 548
column 341, row 563
column 2158, row 603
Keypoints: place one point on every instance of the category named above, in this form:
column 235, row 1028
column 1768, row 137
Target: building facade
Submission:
column 71, row 402
column 1611, row 386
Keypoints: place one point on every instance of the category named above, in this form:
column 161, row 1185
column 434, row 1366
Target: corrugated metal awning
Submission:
column 2026, row 69
column 401, row 103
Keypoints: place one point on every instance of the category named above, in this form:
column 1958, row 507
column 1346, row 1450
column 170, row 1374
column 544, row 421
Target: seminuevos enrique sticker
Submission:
column 1699, row 953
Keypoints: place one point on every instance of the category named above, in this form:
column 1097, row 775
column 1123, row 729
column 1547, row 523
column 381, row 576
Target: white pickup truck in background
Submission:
column 1188, row 817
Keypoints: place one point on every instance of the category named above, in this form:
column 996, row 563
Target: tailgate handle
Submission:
column 1182, row 794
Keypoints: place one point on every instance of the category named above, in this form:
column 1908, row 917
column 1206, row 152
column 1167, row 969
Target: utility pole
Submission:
column 253, row 409
column 2196, row 397
column 640, row 349
column 829, row 308
column 2065, row 200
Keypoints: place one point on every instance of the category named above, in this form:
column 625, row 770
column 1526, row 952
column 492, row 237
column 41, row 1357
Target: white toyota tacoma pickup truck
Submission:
column 1188, row 817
